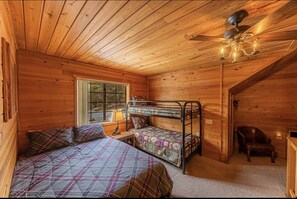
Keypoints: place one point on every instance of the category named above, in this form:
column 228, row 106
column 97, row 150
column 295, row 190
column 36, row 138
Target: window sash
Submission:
column 98, row 106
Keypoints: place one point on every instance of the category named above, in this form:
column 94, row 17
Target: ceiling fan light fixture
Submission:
column 238, row 46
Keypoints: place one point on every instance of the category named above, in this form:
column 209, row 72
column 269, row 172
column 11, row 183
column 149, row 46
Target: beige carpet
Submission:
column 209, row 178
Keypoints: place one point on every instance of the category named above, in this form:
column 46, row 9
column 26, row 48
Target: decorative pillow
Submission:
column 139, row 122
column 42, row 141
column 138, row 98
column 88, row 132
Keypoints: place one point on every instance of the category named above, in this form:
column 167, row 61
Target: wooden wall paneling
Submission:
column 270, row 105
column 203, row 85
column 8, row 130
column 47, row 94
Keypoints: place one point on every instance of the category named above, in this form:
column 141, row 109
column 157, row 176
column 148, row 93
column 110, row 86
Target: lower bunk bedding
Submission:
column 100, row 168
column 163, row 143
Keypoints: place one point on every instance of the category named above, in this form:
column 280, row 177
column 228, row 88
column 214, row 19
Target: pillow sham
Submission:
column 88, row 132
column 139, row 122
column 138, row 98
column 47, row 140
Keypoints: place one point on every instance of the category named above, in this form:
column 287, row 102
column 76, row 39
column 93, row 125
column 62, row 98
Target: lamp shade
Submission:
column 117, row 115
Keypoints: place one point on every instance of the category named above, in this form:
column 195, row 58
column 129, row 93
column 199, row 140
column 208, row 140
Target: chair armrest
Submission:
column 241, row 135
column 268, row 140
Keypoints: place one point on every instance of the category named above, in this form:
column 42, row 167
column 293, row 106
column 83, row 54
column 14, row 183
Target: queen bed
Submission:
column 98, row 168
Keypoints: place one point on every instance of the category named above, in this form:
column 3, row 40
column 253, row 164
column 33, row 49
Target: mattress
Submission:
column 100, row 168
column 165, row 144
column 171, row 112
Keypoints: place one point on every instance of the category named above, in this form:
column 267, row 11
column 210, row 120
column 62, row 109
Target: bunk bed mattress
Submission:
column 172, row 112
column 101, row 168
column 163, row 143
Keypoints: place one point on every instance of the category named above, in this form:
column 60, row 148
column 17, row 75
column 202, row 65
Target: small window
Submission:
column 97, row 100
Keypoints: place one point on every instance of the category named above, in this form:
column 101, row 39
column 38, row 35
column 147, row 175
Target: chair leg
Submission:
column 272, row 157
column 248, row 155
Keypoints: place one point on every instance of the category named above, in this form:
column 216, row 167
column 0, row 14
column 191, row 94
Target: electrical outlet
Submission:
column 208, row 121
column 278, row 136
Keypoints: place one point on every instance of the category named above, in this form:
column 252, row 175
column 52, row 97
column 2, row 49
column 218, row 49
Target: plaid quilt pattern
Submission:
column 161, row 111
column 163, row 143
column 42, row 141
column 100, row 168
column 88, row 132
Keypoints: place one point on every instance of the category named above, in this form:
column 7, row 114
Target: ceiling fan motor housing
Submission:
column 237, row 17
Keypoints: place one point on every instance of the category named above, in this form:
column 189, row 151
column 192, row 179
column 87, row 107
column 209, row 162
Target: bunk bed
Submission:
column 174, row 147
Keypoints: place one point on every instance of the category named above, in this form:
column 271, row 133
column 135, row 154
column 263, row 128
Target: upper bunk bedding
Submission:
column 100, row 168
column 163, row 111
column 165, row 144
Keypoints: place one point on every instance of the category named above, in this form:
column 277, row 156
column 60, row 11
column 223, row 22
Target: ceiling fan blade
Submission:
column 279, row 36
column 203, row 38
column 243, row 28
column 285, row 12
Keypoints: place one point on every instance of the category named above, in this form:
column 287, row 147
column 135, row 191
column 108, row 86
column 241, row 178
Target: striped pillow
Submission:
column 88, row 132
column 42, row 141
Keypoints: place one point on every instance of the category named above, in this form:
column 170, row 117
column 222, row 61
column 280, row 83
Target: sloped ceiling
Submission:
column 145, row 37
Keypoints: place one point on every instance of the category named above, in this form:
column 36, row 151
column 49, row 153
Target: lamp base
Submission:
column 116, row 131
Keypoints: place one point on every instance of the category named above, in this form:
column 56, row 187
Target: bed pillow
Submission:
column 138, row 98
column 88, row 132
column 47, row 140
column 139, row 122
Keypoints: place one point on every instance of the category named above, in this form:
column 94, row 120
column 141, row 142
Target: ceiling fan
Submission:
column 241, row 35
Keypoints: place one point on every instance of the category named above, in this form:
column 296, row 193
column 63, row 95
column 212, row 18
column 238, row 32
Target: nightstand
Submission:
column 125, row 136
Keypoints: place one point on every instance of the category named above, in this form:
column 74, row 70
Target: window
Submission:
column 97, row 100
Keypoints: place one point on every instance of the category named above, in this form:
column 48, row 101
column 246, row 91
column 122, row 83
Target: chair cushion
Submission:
column 262, row 147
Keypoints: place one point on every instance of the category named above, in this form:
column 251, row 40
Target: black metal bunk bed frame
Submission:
column 183, row 106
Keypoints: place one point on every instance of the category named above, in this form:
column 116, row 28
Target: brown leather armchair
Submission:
column 251, row 139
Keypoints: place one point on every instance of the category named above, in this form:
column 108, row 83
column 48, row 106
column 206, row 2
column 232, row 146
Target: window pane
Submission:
column 121, row 98
column 110, row 98
column 96, row 87
column 96, row 107
column 96, row 117
column 108, row 116
column 110, row 88
column 121, row 105
column 110, row 106
column 96, row 97
column 121, row 88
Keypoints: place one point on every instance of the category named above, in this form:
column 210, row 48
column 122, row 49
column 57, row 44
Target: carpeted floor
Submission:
column 209, row 178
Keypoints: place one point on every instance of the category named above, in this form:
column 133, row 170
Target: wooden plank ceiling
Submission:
column 145, row 37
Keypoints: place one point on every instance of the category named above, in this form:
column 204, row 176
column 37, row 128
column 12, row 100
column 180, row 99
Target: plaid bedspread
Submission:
column 101, row 168
column 163, row 143
column 172, row 112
